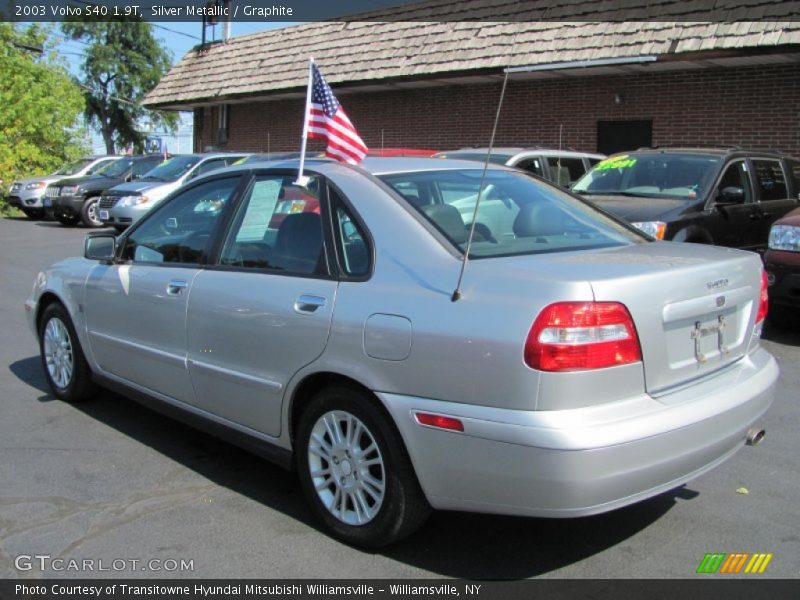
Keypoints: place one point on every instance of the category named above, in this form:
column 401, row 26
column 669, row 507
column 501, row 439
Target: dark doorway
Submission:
column 618, row 136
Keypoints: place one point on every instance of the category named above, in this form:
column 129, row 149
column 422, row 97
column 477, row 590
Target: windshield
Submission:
column 172, row 169
column 499, row 159
column 517, row 214
column 73, row 168
column 115, row 169
column 663, row 175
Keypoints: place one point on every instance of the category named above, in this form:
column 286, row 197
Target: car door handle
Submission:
column 306, row 303
column 755, row 216
column 175, row 287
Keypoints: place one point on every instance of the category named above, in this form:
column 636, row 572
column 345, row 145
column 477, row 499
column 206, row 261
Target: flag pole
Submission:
column 302, row 180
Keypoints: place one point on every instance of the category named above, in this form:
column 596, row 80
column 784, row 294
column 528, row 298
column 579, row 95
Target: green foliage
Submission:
column 40, row 107
column 123, row 62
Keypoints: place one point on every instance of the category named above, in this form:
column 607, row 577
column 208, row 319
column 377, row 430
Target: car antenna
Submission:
column 457, row 292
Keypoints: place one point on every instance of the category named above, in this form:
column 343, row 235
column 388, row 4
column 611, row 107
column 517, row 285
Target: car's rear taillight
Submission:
column 572, row 336
column 763, row 300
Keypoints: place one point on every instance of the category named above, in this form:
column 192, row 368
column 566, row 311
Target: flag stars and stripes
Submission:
column 327, row 120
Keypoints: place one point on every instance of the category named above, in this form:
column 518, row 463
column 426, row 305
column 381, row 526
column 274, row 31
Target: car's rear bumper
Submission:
column 583, row 461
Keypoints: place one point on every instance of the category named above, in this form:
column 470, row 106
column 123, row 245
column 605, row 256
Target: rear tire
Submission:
column 355, row 471
column 64, row 364
column 90, row 215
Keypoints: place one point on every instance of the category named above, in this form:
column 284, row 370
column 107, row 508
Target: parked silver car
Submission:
column 584, row 367
column 29, row 195
column 126, row 203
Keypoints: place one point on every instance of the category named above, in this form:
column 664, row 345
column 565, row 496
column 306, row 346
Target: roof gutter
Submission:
column 583, row 64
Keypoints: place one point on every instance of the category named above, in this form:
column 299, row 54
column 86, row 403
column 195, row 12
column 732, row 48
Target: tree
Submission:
column 123, row 62
column 40, row 106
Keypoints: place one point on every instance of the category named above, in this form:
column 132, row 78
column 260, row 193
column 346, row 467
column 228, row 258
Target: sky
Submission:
column 178, row 38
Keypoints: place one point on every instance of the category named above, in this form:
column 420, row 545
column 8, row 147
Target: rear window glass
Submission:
column 516, row 215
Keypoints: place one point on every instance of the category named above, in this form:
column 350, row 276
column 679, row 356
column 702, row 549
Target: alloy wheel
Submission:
column 346, row 467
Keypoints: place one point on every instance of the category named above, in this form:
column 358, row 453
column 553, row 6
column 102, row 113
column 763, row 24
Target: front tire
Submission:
column 354, row 470
column 90, row 215
column 67, row 221
column 64, row 364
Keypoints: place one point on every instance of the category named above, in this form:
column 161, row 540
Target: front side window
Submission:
column 770, row 181
column 531, row 165
column 180, row 230
column 736, row 177
column 517, row 214
column 654, row 175
column 278, row 228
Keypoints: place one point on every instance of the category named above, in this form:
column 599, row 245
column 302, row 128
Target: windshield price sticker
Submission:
column 616, row 162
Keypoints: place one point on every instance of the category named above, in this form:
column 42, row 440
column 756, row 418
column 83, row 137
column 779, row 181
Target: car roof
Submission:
column 714, row 151
column 514, row 152
column 372, row 164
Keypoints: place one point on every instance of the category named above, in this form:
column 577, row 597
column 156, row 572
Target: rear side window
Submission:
column 565, row 171
column 531, row 165
column 770, row 181
column 278, row 228
column 351, row 241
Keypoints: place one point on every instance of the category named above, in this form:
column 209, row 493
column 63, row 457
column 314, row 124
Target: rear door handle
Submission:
column 307, row 303
column 175, row 287
column 754, row 216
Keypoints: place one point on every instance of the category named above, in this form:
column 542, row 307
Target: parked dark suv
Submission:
column 76, row 199
column 727, row 197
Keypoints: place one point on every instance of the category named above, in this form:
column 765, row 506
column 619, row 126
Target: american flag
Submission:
column 327, row 120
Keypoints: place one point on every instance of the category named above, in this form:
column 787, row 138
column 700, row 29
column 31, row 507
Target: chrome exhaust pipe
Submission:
column 754, row 436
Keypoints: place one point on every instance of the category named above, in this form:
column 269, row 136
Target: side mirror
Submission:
column 730, row 195
column 100, row 246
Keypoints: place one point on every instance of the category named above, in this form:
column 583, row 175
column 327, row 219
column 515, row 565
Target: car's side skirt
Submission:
column 263, row 448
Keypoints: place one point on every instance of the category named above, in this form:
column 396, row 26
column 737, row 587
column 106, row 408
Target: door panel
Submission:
column 772, row 195
column 137, row 328
column 266, row 311
column 248, row 334
column 735, row 225
column 136, row 311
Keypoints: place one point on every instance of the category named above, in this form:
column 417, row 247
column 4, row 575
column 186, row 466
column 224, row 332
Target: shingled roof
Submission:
column 418, row 42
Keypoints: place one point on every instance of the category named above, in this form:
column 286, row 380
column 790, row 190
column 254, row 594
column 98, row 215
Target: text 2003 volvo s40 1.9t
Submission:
column 584, row 367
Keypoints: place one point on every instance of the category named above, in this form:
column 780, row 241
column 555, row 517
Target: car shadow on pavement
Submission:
column 451, row 544
column 783, row 330
column 29, row 370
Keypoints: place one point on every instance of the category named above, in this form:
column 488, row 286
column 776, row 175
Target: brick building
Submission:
column 606, row 85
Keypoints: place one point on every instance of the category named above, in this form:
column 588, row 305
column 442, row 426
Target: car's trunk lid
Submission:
column 693, row 306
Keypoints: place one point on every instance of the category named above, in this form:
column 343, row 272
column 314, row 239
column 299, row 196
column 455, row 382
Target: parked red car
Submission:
column 782, row 261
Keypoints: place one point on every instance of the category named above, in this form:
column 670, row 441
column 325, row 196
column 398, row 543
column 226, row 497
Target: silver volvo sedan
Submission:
column 581, row 367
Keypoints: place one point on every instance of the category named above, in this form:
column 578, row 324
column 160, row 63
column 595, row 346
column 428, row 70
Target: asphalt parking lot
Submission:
column 111, row 480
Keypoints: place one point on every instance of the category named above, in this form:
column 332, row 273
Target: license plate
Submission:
column 48, row 202
column 104, row 215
